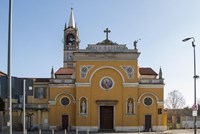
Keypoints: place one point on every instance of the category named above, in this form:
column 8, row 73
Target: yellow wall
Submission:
column 93, row 92
column 57, row 110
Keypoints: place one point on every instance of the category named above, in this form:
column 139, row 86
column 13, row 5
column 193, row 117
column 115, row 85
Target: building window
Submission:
column 83, row 106
column 148, row 101
column 40, row 93
column 159, row 110
column 178, row 119
column 130, row 106
column 65, row 101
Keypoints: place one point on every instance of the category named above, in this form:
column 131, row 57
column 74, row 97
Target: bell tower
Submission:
column 71, row 41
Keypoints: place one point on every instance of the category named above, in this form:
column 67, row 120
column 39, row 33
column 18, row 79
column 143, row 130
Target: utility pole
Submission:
column 9, row 123
column 24, row 105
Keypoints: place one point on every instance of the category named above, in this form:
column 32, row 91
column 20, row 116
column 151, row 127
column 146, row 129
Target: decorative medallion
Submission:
column 65, row 101
column 129, row 71
column 84, row 70
column 106, row 83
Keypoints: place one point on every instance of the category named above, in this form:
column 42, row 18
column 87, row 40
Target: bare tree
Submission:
column 175, row 100
column 198, row 101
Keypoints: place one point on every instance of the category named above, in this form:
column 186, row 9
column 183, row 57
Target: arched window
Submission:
column 83, row 106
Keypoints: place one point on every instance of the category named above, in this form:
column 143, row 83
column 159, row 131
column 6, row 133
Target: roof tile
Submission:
column 65, row 71
column 147, row 71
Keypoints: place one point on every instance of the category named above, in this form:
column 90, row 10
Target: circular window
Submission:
column 65, row 101
column 148, row 101
column 106, row 83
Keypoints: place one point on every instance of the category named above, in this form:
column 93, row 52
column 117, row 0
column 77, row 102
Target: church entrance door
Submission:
column 65, row 122
column 106, row 117
column 147, row 122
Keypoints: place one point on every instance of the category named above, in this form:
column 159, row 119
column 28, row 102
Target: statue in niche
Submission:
column 130, row 107
column 83, row 107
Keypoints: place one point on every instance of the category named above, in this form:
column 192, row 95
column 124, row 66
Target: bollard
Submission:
column 39, row 131
column 149, row 129
column 76, row 131
column 65, row 131
column 139, row 130
column 52, row 131
column 88, row 131
column 26, row 131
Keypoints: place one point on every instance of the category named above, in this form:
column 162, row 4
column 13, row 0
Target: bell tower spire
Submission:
column 72, row 20
column 71, row 41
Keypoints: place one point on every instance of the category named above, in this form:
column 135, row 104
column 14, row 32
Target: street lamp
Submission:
column 195, row 77
column 9, row 67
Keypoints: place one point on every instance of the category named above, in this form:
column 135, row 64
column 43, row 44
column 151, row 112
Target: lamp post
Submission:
column 9, row 67
column 195, row 77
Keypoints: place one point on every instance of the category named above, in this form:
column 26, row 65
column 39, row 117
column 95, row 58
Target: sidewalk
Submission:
column 176, row 131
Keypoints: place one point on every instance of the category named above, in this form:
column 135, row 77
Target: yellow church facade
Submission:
column 98, row 88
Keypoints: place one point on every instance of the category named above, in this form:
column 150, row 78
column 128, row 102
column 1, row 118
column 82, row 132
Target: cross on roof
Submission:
column 107, row 31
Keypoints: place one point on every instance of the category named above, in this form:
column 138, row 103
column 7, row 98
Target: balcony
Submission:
column 62, row 81
column 151, row 81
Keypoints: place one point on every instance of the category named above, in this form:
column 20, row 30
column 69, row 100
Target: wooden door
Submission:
column 65, row 122
column 147, row 122
column 106, row 118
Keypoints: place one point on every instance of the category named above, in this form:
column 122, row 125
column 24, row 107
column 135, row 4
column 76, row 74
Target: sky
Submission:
column 161, row 25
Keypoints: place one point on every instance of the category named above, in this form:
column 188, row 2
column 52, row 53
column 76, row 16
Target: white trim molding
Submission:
column 109, row 67
column 79, row 84
column 68, row 93
column 160, row 103
column 151, row 86
column 62, row 85
column 148, row 93
column 130, row 84
column 52, row 102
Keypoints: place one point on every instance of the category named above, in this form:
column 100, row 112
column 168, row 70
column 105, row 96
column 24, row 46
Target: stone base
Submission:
column 85, row 128
column 5, row 130
column 159, row 128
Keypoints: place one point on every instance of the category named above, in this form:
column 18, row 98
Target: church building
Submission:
column 101, row 87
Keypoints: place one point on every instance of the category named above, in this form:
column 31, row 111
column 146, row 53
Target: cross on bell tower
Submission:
column 107, row 31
